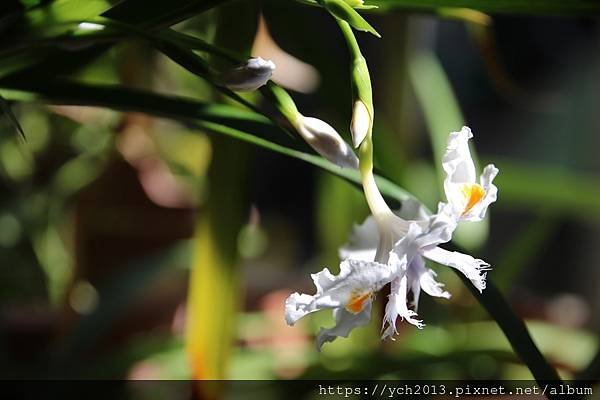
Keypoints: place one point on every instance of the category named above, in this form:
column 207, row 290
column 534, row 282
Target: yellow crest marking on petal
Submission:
column 357, row 302
column 473, row 194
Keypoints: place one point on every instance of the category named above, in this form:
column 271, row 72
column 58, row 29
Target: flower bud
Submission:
column 326, row 141
column 360, row 124
column 250, row 76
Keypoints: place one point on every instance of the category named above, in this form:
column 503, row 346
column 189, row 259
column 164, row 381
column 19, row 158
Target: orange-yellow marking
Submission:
column 357, row 302
column 473, row 193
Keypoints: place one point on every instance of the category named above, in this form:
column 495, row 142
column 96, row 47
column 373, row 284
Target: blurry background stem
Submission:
column 214, row 291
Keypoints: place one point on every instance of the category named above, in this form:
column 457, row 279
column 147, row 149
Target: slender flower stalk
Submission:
column 363, row 112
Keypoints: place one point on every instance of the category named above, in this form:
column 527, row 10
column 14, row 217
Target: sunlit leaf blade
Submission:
column 7, row 110
column 555, row 7
column 215, row 288
column 215, row 281
column 66, row 10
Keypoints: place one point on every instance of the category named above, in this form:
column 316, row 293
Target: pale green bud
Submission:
column 326, row 141
column 361, row 123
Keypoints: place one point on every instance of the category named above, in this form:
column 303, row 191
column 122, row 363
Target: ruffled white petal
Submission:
column 459, row 168
column 438, row 228
column 469, row 199
column 352, row 288
column 297, row 306
column 397, row 307
column 412, row 275
column 408, row 244
column 430, row 286
column 344, row 323
column 422, row 278
column 477, row 213
column 457, row 161
column 473, row 268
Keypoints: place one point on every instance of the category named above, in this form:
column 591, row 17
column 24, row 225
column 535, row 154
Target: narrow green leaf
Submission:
column 6, row 109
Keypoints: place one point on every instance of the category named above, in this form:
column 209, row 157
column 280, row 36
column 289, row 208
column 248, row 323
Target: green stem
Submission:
column 353, row 46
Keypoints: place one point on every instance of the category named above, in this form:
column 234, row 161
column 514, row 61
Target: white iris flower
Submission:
column 420, row 243
column 393, row 247
column 350, row 294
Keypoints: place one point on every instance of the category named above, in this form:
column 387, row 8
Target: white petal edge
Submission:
column 457, row 161
column 397, row 307
column 336, row 291
column 474, row 269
